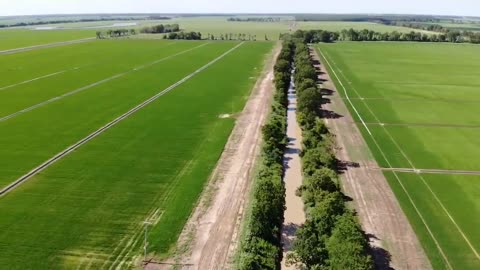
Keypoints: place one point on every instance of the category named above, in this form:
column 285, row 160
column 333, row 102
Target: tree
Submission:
column 347, row 246
column 309, row 100
column 259, row 255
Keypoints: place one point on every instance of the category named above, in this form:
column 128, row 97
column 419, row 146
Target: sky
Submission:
column 434, row 7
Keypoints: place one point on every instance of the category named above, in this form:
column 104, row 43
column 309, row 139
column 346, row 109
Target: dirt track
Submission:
column 392, row 238
column 212, row 233
column 294, row 214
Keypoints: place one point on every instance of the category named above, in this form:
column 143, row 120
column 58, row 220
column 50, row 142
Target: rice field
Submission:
column 417, row 105
column 87, row 210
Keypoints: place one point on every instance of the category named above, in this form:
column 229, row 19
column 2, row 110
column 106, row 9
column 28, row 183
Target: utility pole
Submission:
column 146, row 223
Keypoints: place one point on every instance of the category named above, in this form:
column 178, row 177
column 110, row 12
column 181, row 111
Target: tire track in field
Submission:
column 437, row 199
column 38, row 78
column 48, row 45
column 439, row 125
column 425, row 99
column 76, row 91
column 429, row 171
column 94, row 134
column 410, row 199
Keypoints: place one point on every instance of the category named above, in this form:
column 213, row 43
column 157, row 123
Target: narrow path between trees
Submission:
column 393, row 241
column 294, row 214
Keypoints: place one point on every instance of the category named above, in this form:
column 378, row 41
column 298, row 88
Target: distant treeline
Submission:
column 160, row 29
column 375, row 18
column 184, row 35
column 113, row 33
column 314, row 36
column 254, row 19
column 82, row 20
column 421, row 26
column 331, row 237
column 233, row 36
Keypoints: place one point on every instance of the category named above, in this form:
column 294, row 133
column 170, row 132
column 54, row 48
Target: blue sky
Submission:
column 438, row 7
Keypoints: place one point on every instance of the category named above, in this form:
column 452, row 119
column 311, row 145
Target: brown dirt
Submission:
column 212, row 234
column 393, row 241
column 294, row 214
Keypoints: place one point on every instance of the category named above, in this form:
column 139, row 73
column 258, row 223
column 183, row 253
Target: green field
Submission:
column 21, row 37
column 87, row 210
column 339, row 26
column 420, row 105
column 218, row 25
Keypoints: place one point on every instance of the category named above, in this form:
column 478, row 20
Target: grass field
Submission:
column 419, row 103
column 87, row 210
column 21, row 37
column 339, row 26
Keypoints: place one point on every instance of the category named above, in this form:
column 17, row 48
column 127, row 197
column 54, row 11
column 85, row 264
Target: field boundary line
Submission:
column 421, row 177
column 94, row 134
column 439, row 100
column 429, row 171
column 83, row 88
column 48, row 45
column 37, row 78
column 437, row 244
column 432, row 125
column 56, row 73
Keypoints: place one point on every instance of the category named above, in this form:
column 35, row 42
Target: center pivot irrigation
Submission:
column 73, row 147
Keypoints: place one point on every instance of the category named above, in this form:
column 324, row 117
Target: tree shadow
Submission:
column 343, row 165
column 381, row 257
column 326, row 92
column 330, row 114
column 288, row 234
column 326, row 101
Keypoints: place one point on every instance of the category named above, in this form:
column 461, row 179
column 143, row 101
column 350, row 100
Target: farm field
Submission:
column 87, row 210
column 418, row 104
column 339, row 26
column 20, row 37
column 218, row 25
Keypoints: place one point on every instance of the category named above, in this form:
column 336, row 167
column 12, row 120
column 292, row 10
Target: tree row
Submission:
column 331, row 237
column 261, row 242
column 314, row 36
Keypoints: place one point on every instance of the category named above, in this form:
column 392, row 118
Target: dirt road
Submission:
column 294, row 214
column 212, row 233
column 392, row 238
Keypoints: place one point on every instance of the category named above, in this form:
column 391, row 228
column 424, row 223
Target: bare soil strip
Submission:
column 81, row 89
column 432, row 171
column 397, row 145
column 293, row 179
column 394, row 243
column 73, row 147
column 212, row 234
column 49, row 45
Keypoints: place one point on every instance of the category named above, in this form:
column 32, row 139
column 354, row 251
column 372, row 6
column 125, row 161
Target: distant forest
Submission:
column 381, row 18
column 254, row 19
